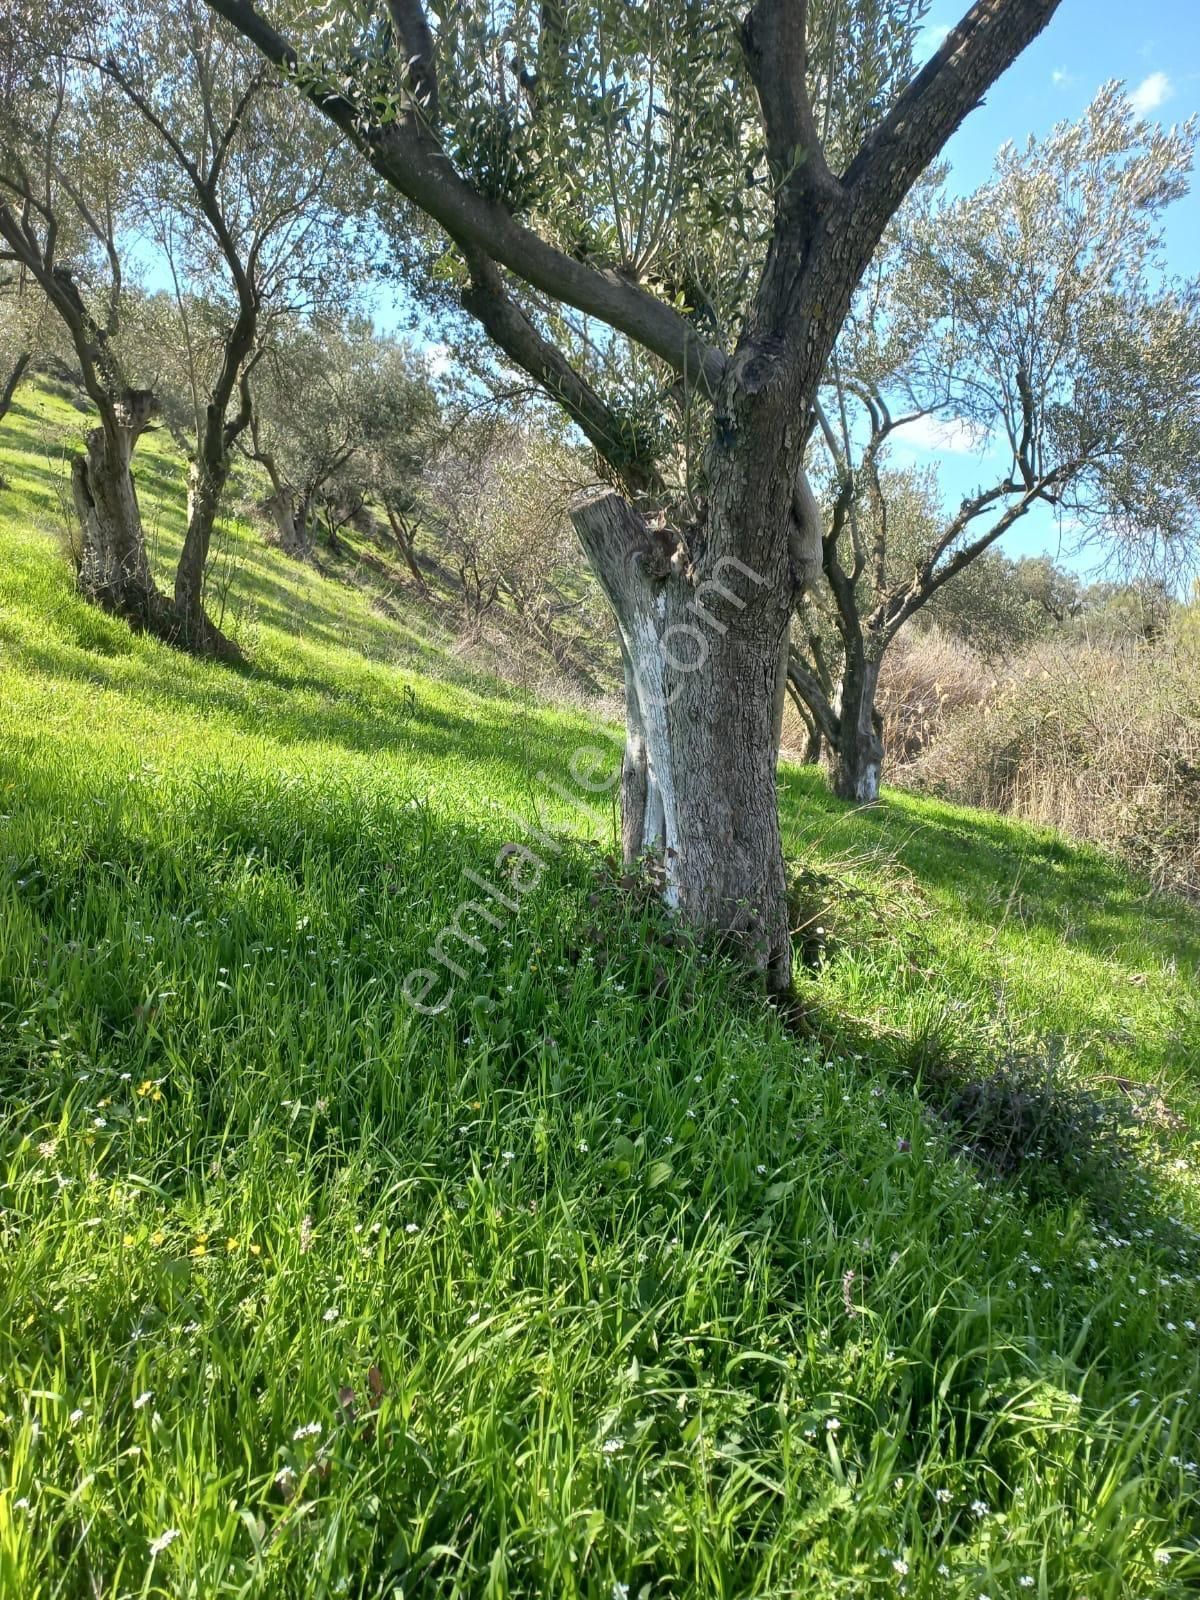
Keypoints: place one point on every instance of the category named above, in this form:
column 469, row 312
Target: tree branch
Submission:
column 412, row 31
column 507, row 324
column 774, row 38
column 984, row 44
column 409, row 159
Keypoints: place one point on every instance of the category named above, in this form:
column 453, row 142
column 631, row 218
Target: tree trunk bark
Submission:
column 860, row 740
column 702, row 653
column 195, row 630
column 405, row 540
column 290, row 516
column 15, row 374
column 114, row 570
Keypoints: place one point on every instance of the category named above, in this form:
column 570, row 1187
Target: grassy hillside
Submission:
column 605, row 1280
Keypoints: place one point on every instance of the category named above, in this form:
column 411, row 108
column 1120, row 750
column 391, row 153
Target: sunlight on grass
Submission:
column 600, row 1278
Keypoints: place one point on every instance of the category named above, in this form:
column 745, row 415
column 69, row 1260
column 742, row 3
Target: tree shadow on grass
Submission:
column 994, row 871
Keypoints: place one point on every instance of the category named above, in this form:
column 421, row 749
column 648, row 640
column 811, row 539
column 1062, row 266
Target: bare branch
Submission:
column 774, row 38
column 507, row 324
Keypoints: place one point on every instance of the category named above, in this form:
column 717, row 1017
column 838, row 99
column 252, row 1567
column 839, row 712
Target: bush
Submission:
column 929, row 677
column 1102, row 741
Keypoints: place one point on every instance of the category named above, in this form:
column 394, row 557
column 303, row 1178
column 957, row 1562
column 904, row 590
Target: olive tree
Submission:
column 239, row 187
column 671, row 202
column 64, row 175
column 339, row 417
column 402, row 425
column 1035, row 315
column 152, row 119
column 25, row 331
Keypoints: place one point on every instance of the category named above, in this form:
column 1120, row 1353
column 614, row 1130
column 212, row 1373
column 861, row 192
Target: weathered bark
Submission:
column 701, row 645
column 114, row 570
column 859, row 751
column 290, row 514
column 15, row 373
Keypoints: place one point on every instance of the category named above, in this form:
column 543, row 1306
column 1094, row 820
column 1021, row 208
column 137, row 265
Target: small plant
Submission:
column 1027, row 1115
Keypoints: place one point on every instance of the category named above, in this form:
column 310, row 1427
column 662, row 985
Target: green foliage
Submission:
column 1039, row 311
column 599, row 1278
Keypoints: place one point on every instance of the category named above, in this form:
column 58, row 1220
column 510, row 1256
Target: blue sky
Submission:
column 1155, row 49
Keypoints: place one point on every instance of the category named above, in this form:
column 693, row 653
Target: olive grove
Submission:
column 661, row 214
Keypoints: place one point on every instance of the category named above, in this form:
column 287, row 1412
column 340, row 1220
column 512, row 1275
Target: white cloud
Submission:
column 1061, row 77
column 1151, row 93
column 956, row 436
column 438, row 358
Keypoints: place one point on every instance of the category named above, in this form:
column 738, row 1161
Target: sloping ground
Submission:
column 601, row 1279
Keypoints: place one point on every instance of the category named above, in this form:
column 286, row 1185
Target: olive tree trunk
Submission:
column 196, row 630
column 290, row 514
column 703, row 647
column 114, row 569
column 11, row 383
column 858, row 753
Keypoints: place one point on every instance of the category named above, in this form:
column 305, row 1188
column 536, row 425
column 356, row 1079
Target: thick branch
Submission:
column 416, row 41
column 508, row 326
column 408, row 158
column 985, row 43
column 774, row 39
column 811, row 691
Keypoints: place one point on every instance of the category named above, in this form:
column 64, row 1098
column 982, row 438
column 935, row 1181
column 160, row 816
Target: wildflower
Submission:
column 900, row 1566
column 583, row 1146
column 164, row 1541
column 1025, row 1581
column 331, row 1315
column 22, row 1504
column 127, row 1240
column 832, row 1424
column 620, row 1591
column 411, row 1227
column 943, row 1570
column 76, row 1417
column 509, row 1155
column 980, row 1507
column 143, row 1399
column 256, row 1249
column 198, row 1249
column 306, row 1235
column 149, row 1090
column 307, row 1430
column 612, row 1447
column 1163, row 1557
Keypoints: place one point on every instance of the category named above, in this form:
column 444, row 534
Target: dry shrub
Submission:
column 1101, row 741
column 929, row 677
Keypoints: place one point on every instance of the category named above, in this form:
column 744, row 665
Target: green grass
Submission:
column 599, row 1278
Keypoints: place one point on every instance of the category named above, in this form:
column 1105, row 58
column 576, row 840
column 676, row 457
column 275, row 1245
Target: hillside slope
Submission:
column 604, row 1279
